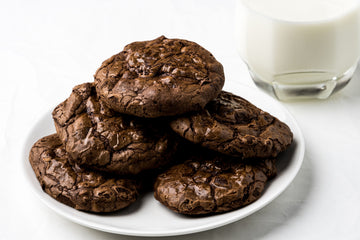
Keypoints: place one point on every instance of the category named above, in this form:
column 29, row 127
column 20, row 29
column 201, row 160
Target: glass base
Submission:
column 304, row 85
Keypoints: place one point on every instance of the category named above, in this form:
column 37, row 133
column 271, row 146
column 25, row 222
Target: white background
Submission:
column 47, row 47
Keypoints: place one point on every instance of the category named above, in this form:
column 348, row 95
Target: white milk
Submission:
column 291, row 43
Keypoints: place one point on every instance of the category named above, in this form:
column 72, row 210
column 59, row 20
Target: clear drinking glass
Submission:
column 299, row 48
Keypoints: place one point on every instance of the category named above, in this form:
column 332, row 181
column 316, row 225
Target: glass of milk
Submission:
column 299, row 48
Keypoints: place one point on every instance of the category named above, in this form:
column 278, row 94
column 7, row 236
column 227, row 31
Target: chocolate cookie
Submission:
column 231, row 125
column 211, row 183
column 79, row 188
column 99, row 138
column 161, row 77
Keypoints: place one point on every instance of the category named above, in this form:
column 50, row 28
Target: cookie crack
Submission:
column 212, row 193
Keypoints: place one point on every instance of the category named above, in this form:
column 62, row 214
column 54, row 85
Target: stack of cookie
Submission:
column 156, row 113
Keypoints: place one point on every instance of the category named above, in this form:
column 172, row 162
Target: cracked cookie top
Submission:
column 101, row 139
column 212, row 183
column 74, row 186
column 231, row 125
column 161, row 77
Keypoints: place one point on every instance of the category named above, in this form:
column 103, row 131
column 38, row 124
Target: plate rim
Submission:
column 256, row 206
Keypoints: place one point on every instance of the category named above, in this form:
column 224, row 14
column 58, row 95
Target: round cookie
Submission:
column 76, row 187
column 231, row 125
column 161, row 77
column 211, row 183
column 101, row 139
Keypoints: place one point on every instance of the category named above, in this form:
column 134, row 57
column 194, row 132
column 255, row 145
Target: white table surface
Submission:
column 47, row 47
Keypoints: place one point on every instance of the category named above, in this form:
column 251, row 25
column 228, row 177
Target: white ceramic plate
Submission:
column 147, row 217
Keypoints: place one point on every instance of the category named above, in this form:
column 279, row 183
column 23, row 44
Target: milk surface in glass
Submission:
column 299, row 48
